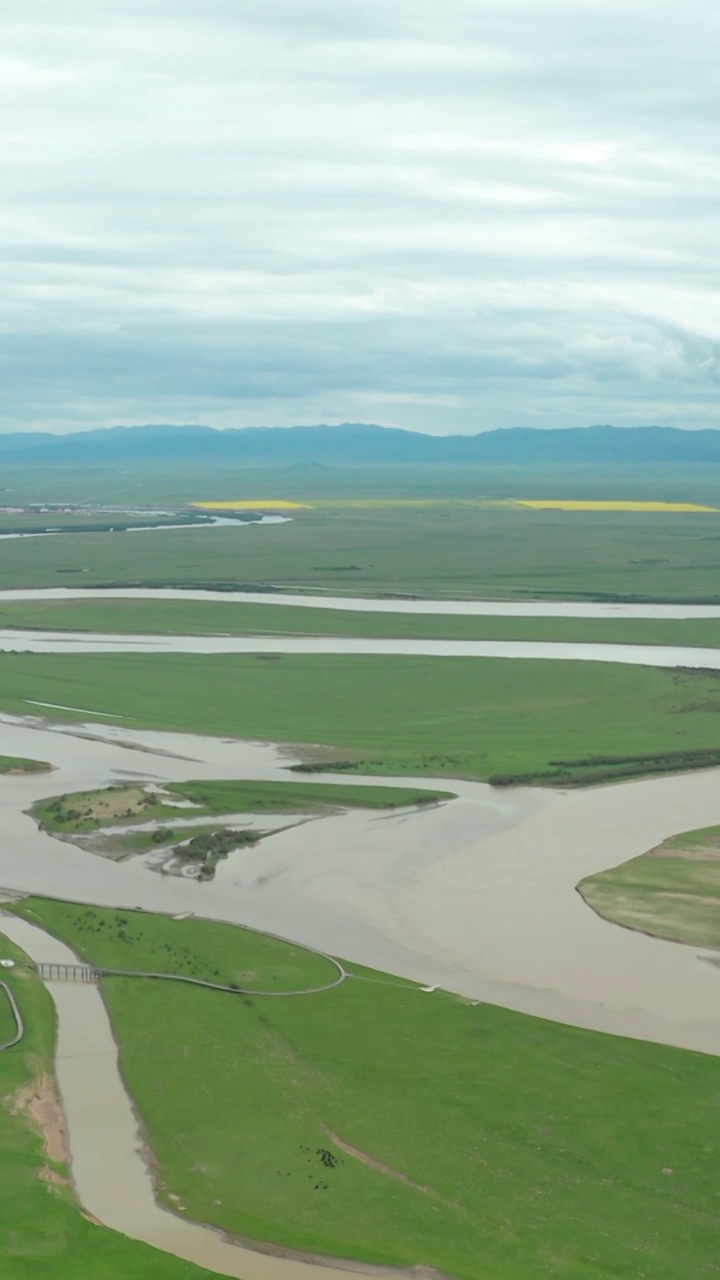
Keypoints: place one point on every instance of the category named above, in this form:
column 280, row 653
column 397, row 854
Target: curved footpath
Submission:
column 362, row 604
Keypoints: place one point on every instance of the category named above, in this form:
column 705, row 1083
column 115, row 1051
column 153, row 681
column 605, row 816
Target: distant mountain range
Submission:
column 355, row 444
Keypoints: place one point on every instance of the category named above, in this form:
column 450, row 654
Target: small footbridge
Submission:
column 67, row 972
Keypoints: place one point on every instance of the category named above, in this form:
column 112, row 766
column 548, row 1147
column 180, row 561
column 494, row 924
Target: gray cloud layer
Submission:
column 449, row 216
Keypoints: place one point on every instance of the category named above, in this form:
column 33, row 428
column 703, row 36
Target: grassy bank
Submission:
column 671, row 892
column 298, row 797
column 42, row 1231
column 181, row 617
column 399, row 715
column 383, row 1123
column 18, row 764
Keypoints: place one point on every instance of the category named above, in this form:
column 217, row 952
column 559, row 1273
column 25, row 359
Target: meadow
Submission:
column 670, row 892
column 438, row 540
column 461, row 717
column 379, row 1122
column 44, row 1233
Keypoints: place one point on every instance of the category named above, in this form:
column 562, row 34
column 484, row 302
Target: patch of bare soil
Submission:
column 700, row 898
column 38, row 1101
column 116, row 802
column 693, row 853
column 54, row 1179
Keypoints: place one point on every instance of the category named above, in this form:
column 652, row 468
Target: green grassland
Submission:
column 400, row 715
column 218, row 797
column 671, row 892
column 486, row 1144
column 450, row 547
column 83, row 811
column 18, row 764
column 181, row 617
column 43, row 1233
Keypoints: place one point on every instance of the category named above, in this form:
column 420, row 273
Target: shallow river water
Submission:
column 359, row 604
column 629, row 654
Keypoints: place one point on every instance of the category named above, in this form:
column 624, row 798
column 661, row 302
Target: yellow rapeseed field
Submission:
column 274, row 504
column 563, row 504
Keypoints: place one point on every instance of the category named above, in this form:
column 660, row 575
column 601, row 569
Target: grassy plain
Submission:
column 180, row 617
column 42, row 1231
column 671, row 892
column 401, row 715
column 447, row 548
column 528, row 1149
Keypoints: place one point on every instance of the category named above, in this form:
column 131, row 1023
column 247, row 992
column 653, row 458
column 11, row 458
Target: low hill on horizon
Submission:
column 354, row 444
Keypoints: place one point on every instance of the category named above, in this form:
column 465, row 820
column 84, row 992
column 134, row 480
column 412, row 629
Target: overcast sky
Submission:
column 443, row 214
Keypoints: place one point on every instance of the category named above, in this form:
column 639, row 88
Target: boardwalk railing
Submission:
column 67, row 972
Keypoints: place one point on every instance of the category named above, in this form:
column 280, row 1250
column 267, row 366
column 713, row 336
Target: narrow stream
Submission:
column 364, row 604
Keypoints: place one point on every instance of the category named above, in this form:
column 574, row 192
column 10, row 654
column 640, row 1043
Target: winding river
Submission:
column 634, row 654
column 360, row 604
column 477, row 895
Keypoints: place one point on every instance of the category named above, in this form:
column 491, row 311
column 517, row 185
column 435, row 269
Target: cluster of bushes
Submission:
column 163, row 835
column 62, row 815
column 593, row 769
column 209, row 847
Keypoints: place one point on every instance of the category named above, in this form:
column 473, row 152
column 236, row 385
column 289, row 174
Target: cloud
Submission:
column 450, row 217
